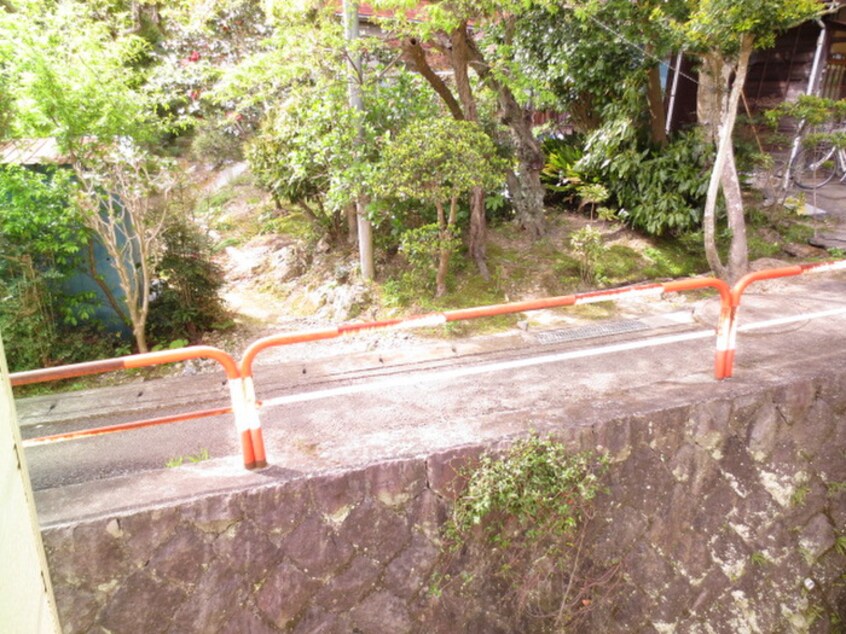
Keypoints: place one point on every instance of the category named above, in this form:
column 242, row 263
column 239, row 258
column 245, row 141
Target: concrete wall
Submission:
column 723, row 515
column 26, row 604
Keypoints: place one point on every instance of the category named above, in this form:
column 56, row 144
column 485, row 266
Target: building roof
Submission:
column 31, row 152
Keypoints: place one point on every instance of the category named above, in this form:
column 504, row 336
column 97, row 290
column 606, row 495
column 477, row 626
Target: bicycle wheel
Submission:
column 814, row 166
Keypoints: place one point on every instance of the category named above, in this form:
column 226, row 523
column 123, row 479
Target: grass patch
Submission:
column 293, row 224
column 177, row 461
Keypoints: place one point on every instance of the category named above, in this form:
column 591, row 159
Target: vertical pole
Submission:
column 26, row 593
column 243, row 419
column 365, row 230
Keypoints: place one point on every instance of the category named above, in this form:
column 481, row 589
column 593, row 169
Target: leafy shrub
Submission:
column 422, row 247
column 587, row 244
column 559, row 174
column 41, row 241
column 187, row 302
column 217, row 144
column 658, row 190
column 519, row 525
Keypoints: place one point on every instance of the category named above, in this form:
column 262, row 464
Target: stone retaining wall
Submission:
column 724, row 515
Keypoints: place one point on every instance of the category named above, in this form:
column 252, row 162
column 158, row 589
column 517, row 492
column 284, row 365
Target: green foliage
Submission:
column 579, row 59
column 422, row 247
column 589, row 249
column 69, row 76
column 562, row 154
column 717, row 25
column 187, row 294
column 658, row 190
column 41, row 239
column 522, row 515
column 177, row 461
column 435, row 160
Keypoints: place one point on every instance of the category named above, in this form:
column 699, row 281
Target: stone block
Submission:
column 215, row 599
column 182, row 558
column 316, row 549
column 443, row 470
column 77, row 608
column 396, row 482
column 762, row 431
column 319, row 621
column 375, row 530
column 213, row 514
column 245, row 622
column 817, row 537
column 708, row 424
column 142, row 604
column 408, row 574
column 349, row 586
column 381, row 612
column 427, row 513
column 277, row 510
column 336, row 493
column 247, row 550
column 794, row 399
column 285, row 594
column 145, row 532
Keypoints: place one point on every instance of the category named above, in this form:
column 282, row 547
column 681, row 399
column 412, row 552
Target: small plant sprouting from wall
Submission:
column 518, row 529
column 177, row 461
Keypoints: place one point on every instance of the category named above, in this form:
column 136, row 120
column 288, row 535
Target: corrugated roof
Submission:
column 31, row 152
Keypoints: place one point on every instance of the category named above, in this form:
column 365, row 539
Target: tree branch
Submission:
column 416, row 56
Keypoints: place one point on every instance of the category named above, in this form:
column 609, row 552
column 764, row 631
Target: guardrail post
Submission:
column 254, row 423
column 242, row 416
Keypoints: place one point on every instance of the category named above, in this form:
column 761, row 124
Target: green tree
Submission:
column 724, row 33
column 68, row 76
column 122, row 197
column 450, row 30
column 436, row 161
column 41, row 242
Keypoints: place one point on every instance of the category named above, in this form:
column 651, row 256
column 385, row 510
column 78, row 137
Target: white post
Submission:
column 26, row 595
column 365, row 230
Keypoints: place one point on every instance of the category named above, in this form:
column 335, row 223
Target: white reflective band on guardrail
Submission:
column 239, row 405
column 607, row 297
column 834, row 266
column 251, row 415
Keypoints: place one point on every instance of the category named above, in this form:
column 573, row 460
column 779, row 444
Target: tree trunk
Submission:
column 101, row 282
column 718, row 113
column 477, row 237
column 352, row 224
column 525, row 185
column 416, row 57
column 365, row 239
column 365, row 230
column 655, row 97
column 443, row 256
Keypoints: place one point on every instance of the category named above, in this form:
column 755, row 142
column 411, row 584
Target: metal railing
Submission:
column 244, row 405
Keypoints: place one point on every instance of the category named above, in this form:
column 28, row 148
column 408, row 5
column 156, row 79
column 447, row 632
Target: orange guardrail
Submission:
column 747, row 280
column 149, row 359
column 438, row 319
column 240, row 375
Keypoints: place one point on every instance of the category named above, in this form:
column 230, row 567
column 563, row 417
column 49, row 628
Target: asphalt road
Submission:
column 340, row 411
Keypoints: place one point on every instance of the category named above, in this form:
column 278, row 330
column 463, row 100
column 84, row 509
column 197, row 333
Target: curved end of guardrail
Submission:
column 721, row 354
column 747, row 280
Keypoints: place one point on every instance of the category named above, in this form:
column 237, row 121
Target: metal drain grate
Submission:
column 587, row 332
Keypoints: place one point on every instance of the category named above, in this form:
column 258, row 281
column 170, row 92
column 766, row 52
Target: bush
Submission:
column 186, row 301
column 657, row 189
column 518, row 526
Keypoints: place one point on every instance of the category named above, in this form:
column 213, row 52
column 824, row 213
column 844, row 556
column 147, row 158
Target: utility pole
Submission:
column 365, row 230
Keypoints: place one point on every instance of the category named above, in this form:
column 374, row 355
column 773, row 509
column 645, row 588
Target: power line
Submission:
column 639, row 48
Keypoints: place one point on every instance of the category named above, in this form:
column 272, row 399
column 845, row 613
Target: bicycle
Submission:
column 818, row 161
